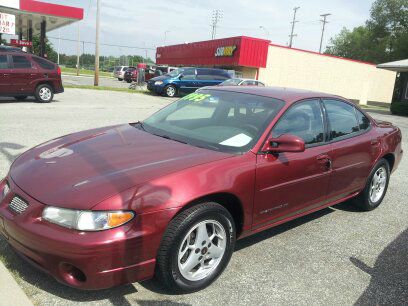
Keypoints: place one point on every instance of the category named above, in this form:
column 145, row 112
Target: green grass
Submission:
column 107, row 88
column 84, row 72
column 375, row 107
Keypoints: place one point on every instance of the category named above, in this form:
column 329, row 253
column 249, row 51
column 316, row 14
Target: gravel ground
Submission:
column 336, row 256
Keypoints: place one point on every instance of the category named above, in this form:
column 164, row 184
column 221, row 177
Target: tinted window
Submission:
column 44, row 63
column 304, row 120
column 342, row 118
column 189, row 74
column 363, row 121
column 20, row 62
column 3, row 62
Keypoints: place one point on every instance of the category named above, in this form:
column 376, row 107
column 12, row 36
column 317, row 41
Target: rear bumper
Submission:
column 85, row 260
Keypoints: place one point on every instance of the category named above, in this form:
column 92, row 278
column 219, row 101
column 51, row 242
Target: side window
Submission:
column 363, row 121
column 260, row 84
column 3, row 62
column 44, row 63
column 189, row 74
column 342, row 118
column 305, row 120
column 20, row 62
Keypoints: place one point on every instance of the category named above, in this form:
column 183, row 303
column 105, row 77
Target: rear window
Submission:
column 44, row 63
column 20, row 62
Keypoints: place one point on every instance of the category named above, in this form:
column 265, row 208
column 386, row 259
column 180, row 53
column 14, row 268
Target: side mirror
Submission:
column 284, row 143
column 181, row 76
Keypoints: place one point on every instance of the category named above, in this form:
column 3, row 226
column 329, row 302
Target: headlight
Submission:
column 85, row 220
column 158, row 82
column 6, row 189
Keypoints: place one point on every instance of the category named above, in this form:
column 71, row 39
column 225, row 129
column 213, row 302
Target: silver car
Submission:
column 241, row 82
column 119, row 72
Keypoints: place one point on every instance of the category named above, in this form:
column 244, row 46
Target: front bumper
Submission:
column 86, row 260
column 159, row 89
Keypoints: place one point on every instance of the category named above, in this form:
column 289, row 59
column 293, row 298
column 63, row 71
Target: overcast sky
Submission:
column 143, row 23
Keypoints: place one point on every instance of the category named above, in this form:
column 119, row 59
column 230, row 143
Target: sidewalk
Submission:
column 10, row 291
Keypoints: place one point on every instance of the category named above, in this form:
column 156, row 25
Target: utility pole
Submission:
column 146, row 55
column 216, row 17
column 293, row 26
column 59, row 45
column 98, row 15
column 78, row 49
column 266, row 31
column 165, row 37
column 324, row 21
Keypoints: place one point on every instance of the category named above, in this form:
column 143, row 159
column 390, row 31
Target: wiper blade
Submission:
column 168, row 137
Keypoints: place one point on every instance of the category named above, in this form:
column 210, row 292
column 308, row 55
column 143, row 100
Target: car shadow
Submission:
column 7, row 147
column 155, row 286
column 389, row 275
column 29, row 100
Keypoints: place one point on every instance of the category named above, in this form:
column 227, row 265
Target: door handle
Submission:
column 45, row 75
column 325, row 159
column 33, row 74
column 6, row 74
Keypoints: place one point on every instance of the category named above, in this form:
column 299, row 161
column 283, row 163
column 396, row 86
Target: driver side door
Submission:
column 188, row 81
column 289, row 184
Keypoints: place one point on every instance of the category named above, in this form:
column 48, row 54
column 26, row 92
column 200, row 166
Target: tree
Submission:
column 383, row 38
column 49, row 49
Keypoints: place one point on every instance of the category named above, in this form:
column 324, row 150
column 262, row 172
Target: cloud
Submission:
column 143, row 23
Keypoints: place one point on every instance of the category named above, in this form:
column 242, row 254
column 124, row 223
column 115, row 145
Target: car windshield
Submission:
column 231, row 82
column 175, row 72
column 215, row 119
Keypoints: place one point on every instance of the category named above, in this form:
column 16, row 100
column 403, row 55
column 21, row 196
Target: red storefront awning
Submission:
column 234, row 51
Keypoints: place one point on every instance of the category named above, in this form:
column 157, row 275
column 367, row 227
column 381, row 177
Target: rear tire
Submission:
column 196, row 248
column 44, row 93
column 376, row 188
column 20, row 98
column 119, row 79
column 170, row 91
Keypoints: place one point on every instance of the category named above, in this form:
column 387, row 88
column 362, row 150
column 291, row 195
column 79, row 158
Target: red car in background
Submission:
column 169, row 196
column 23, row 75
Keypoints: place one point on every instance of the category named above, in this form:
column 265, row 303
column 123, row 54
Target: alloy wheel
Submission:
column 201, row 250
column 378, row 183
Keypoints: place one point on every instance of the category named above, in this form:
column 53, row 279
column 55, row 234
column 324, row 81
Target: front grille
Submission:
column 18, row 205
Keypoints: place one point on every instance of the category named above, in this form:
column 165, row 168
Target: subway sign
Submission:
column 225, row 51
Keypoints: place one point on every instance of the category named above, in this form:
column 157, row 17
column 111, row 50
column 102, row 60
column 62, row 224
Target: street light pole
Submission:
column 98, row 15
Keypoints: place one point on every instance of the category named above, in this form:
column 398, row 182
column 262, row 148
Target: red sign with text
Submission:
column 21, row 43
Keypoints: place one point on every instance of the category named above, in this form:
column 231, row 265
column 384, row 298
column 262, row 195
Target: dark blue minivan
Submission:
column 186, row 80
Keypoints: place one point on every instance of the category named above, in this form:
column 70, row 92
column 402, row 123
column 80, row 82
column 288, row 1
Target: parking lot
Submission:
column 336, row 256
column 83, row 80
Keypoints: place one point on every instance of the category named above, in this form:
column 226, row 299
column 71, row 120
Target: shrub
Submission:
column 399, row 108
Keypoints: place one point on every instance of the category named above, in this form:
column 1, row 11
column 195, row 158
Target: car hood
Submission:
column 160, row 78
column 80, row 170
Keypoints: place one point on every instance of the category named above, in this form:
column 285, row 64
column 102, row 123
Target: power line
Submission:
column 216, row 17
column 293, row 26
column 324, row 21
column 109, row 45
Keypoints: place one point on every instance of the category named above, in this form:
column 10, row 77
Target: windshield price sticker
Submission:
column 196, row 97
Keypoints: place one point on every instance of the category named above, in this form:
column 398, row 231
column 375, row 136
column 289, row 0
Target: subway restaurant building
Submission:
column 282, row 66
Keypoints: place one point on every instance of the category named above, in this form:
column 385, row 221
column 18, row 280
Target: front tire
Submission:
column 170, row 91
column 376, row 188
column 196, row 248
column 44, row 93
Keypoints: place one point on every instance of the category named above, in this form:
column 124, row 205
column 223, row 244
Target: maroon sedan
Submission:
column 169, row 196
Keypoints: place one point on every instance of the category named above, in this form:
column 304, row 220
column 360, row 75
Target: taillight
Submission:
column 59, row 70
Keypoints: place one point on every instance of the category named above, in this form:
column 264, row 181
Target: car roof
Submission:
column 289, row 95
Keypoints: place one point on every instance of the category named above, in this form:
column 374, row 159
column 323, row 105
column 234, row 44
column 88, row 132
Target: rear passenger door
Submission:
column 22, row 73
column 5, row 75
column 353, row 149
